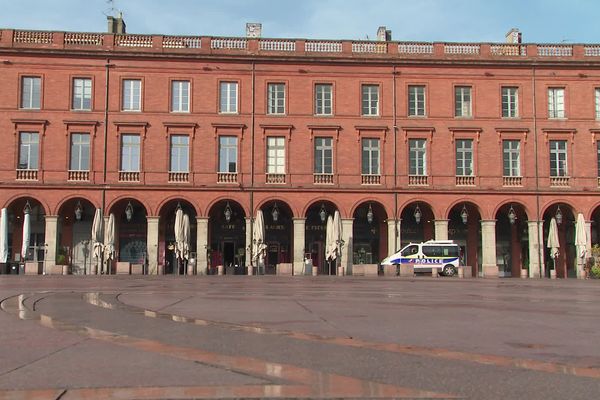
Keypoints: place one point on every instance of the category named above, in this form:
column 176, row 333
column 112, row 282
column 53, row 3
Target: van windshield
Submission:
column 410, row 250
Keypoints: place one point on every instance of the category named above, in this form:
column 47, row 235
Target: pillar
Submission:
column 51, row 236
column 536, row 264
column 441, row 229
column 488, row 248
column 249, row 261
column 393, row 236
column 152, row 243
column 201, row 245
column 347, row 252
column 298, row 261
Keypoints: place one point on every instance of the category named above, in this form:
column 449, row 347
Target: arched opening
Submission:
column 131, row 231
column 30, row 249
column 278, row 218
column 512, row 240
column 564, row 264
column 166, row 236
column 464, row 227
column 417, row 223
column 369, row 233
column 316, row 232
column 74, row 247
column 227, row 237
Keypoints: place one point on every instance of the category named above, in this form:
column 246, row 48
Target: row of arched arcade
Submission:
column 504, row 245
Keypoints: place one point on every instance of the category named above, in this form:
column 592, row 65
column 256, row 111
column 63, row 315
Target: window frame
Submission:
column 316, row 87
column 553, row 103
column 558, row 152
column 597, row 102
column 365, row 90
column 422, row 150
column 462, row 100
column 511, row 112
column 30, row 106
column 508, row 157
column 141, row 95
column 227, row 146
column 370, row 151
column 71, row 148
column 464, row 151
column 28, row 145
column 236, row 103
column 173, row 146
column 322, row 150
column 409, row 91
column 81, row 107
column 122, row 147
column 180, row 109
column 277, row 99
column 279, row 161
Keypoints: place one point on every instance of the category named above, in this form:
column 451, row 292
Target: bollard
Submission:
column 220, row 269
column 434, row 272
column 461, row 272
column 340, row 271
column 524, row 273
column 315, row 271
column 552, row 274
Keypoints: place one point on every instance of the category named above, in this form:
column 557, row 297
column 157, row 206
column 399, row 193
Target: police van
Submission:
column 443, row 255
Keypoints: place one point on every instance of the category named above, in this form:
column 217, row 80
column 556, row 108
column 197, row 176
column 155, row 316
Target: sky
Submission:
column 540, row 21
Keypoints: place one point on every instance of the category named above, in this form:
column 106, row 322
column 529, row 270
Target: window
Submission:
column 370, row 156
column 82, row 94
column 80, row 152
column 558, row 158
column 180, row 155
column 130, row 153
column 462, row 101
column 31, row 87
column 28, row 150
column 180, row 96
column 416, row 101
column 228, row 154
column 597, row 103
column 323, row 155
column 323, row 99
column 370, row 100
column 598, row 153
column 132, row 95
column 511, row 157
column 464, row 157
column 276, row 155
column 417, row 157
column 556, row 103
column 228, row 97
column 510, row 102
column 276, row 98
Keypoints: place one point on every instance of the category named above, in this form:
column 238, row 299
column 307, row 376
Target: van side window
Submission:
column 451, row 251
column 432, row 251
column 410, row 250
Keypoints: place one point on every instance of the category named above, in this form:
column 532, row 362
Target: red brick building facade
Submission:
column 479, row 143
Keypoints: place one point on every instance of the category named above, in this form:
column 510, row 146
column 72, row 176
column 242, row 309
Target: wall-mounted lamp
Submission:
column 129, row 212
column 78, row 211
column 417, row 214
column 275, row 212
column 558, row 215
column 27, row 208
column 464, row 215
column 512, row 215
column 227, row 212
column 370, row 214
column 323, row 213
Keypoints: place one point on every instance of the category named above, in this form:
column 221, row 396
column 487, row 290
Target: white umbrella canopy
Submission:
column 337, row 234
column 259, row 247
column 581, row 242
column 179, row 233
column 97, row 239
column 329, row 240
column 553, row 242
column 186, row 236
column 109, row 238
column 3, row 235
column 26, row 234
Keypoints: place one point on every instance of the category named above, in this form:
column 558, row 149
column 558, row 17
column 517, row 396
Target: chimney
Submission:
column 253, row 30
column 513, row 36
column 116, row 24
column 383, row 34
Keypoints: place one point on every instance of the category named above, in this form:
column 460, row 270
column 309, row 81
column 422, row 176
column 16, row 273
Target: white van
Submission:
column 444, row 255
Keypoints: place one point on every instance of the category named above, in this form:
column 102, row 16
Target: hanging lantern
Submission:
column 275, row 212
column 417, row 214
column 27, row 208
column 464, row 214
column 512, row 215
column 559, row 215
column 129, row 212
column 323, row 213
column 78, row 211
column 227, row 212
column 370, row 214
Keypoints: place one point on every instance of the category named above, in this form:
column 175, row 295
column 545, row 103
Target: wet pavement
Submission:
column 171, row 337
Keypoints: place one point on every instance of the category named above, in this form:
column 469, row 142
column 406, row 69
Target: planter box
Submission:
column 137, row 269
column 60, row 270
column 389, row 270
column 407, row 270
column 33, row 268
column 284, row 269
column 123, row 268
column 364, row 269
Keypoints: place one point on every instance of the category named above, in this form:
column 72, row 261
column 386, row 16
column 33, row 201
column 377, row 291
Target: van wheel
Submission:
column 449, row 270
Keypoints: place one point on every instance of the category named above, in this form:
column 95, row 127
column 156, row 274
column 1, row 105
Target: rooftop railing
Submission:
column 10, row 38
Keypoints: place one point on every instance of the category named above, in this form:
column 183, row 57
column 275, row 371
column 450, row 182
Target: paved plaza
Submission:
column 172, row 337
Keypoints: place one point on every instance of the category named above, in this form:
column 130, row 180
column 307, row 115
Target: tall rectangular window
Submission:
column 558, row 158
column 416, row 101
column 510, row 102
column 598, row 156
column 462, row 101
column 556, row 103
column 130, row 153
column 464, row 157
column 276, row 98
column 82, row 94
column 180, row 153
column 417, row 157
column 323, row 155
column 228, row 94
column 276, row 155
column 511, row 158
column 28, row 150
column 597, row 103
column 323, row 99
column 370, row 100
column 180, row 96
column 132, row 95
column 370, row 157
column 80, row 152
column 31, row 92
column 228, row 152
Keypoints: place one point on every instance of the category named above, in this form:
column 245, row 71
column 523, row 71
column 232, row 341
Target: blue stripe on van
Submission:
column 423, row 261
